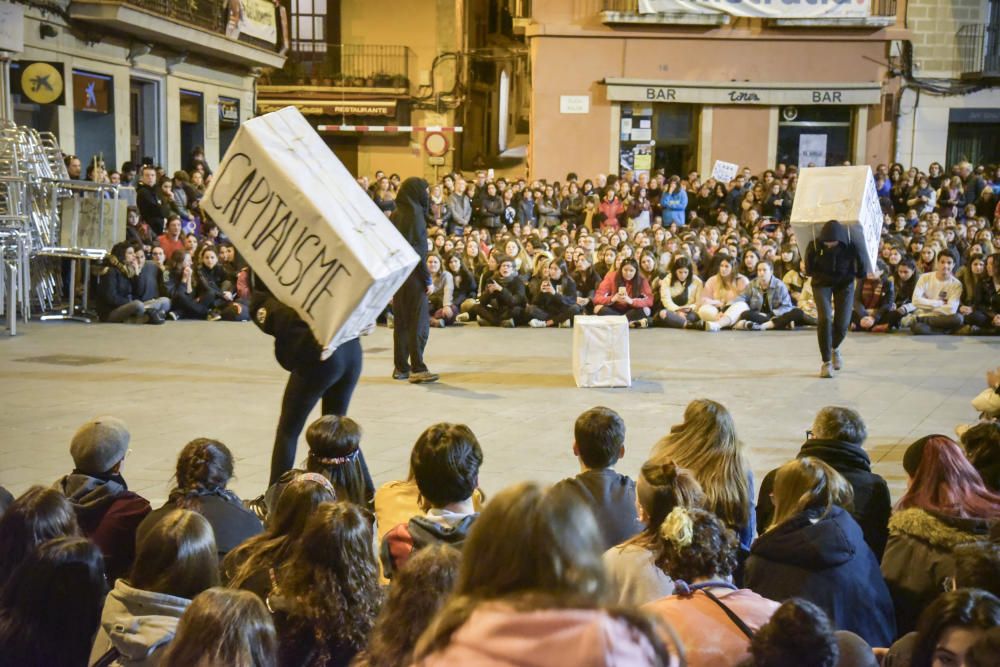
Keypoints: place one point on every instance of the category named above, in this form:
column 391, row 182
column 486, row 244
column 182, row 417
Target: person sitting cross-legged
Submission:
column 937, row 297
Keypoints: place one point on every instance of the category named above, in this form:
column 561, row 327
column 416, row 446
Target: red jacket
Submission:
column 609, row 287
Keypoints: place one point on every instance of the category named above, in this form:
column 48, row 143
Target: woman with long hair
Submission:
column 680, row 293
column 50, row 610
column 635, row 571
column 247, row 565
column 174, row 562
column 950, row 626
column 625, row 292
column 326, row 595
column 815, row 550
column 946, row 504
column 719, row 293
column 419, row 589
column 531, row 569
column 204, row 468
column 706, row 444
column 714, row 618
column 37, row 515
column 224, row 627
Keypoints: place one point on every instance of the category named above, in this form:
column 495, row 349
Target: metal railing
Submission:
column 345, row 66
column 879, row 7
column 979, row 49
column 205, row 14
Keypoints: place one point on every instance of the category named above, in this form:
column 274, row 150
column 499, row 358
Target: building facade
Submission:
column 950, row 108
column 142, row 78
column 615, row 86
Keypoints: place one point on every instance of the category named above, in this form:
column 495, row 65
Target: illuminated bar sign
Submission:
column 744, row 93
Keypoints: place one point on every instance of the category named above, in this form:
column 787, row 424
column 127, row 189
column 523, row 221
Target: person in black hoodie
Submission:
column 836, row 438
column 816, row 551
column 502, row 298
column 316, row 374
column 834, row 260
column 108, row 513
column 554, row 305
column 409, row 305
column 599, row 443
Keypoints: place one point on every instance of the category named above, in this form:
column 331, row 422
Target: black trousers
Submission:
column 332, row 382
column 412, row 326
column 795, row 315
column 831, row 327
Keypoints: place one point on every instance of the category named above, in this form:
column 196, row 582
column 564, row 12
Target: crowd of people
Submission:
column 676, row 252
column 676, row 563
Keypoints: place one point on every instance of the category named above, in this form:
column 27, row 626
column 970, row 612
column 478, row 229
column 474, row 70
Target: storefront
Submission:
column 973, row 135
column 682, row 126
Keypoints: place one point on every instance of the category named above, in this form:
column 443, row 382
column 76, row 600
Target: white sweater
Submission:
column 936, row 297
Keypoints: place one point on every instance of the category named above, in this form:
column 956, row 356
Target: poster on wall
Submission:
column 724, row 171
column 642, row 158
column 812, row 150
column 256, row 18
column 786, row 9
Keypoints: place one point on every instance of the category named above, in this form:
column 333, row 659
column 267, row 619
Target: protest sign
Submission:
column 844, row 194
column 305, row 226
column 724, row 171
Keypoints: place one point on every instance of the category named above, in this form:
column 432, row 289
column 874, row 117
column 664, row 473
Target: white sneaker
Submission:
column 712, row 326
column 462, row 317
column 568, row 324
column 536, row 323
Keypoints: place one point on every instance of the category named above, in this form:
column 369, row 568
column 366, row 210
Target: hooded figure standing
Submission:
column 833, row 261
column 409, row 304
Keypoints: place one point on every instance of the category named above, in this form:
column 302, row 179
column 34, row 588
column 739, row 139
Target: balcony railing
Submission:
column 201, row 13
column 979, row 50
column 345, row 66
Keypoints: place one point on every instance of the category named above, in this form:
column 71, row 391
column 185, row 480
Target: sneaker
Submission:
column 568, row 324
column 463, row 318
column 423, row 377
column 155, row 317
column 838, row 361
column 397, row 375
column 507, row 324
column 214, row 316
column 826, row 370
column 710, row 326
column 390, row 321
column 921, row 329
column 536, row 323
column 174, row 316
column 641, row 324
column 753, row 326
column 436, row 323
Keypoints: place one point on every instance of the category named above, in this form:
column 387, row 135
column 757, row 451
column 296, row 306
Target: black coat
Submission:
column 412, row 203
column 148, row 284
column 829, row 564
column 838, row 265
column 151, row 208
column 611, row 496
column 114, row 289
column 872, row 502
column 231, row 522
column 511, row 296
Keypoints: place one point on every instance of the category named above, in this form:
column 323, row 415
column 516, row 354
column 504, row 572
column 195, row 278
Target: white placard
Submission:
column 574, row 104
column 306, row 227
column 641, row 134
column 257, row 19
column 724, row 171
column 812, row 150
column 601, row 351
column 11, row 27
column 786, row 9
column 845, row 194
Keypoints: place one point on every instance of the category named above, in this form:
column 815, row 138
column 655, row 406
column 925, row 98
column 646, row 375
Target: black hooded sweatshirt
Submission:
column 412, row 202
column 839, row 265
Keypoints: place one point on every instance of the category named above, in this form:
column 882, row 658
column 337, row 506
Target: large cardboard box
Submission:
column 306, row 227
column 600, row 351
column 845, row 194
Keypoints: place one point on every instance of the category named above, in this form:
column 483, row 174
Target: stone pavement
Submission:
column 514, row 388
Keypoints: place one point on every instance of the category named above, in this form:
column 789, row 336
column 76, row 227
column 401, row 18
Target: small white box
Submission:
column 600, row 352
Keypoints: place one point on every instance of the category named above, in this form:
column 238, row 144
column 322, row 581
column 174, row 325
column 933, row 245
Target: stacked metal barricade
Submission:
column 31, row 168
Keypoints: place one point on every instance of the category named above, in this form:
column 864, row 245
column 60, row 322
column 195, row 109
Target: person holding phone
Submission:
column 625, row 292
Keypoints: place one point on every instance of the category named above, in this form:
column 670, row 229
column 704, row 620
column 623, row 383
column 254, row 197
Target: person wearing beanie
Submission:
column 108, row 513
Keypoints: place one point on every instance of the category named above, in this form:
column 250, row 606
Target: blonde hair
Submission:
column 707, row 445
column 808, row 484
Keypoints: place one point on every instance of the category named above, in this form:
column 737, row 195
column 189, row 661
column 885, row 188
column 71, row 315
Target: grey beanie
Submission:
column 99, row 444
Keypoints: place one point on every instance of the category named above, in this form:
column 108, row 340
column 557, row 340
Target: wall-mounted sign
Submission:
column 257, row 19
column 329, row 107
column 786, row 9
column 436, row 144
column 40, row 82
column 766, row 94
column 574, row 104
column 11, row 27
column 92, row 92
column 229, row 111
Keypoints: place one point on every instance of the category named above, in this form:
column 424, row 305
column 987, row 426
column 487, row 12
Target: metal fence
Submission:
column 346, row 65
column 878, row 7
column 202, row 13
column 978, row 49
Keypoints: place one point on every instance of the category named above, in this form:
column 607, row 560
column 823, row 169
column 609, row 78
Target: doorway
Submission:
column 144, row 132
column 192, row 124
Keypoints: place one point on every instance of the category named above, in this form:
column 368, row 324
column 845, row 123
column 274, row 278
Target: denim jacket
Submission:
column 777, row 296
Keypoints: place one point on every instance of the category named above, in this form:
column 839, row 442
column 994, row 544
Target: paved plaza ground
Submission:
column 514, row 388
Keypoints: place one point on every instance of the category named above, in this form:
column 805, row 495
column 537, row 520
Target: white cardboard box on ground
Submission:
column 600, row 352
column 845, row 194
column 306, row 227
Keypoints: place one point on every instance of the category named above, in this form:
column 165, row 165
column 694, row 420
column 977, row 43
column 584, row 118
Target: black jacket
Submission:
column 294, row 343
column 511, row 296
column 231, row 522
column 838, row 265
column 151, row 208
column 611, row 496
column 829, row 564
column 412, row 202
column 148, row 284
column 563, row 297
column 872, row 503
column 114, row 289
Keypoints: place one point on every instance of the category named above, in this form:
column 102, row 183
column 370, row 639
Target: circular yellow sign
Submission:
column 41, row 83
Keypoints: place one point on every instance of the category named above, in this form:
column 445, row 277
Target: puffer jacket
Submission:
column 919, row 558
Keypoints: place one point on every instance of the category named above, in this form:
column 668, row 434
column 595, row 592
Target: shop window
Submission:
column 308, row 24
column 814, row 136
column 192, row 112
column 94, row 119
column 659, row 136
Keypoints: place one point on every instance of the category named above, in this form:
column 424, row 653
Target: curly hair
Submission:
column 329, row 590
column 798, row 628
column 708, row 550
column 418, row 591
column 204, row 467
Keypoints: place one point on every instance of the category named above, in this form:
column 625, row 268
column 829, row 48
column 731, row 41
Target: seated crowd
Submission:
column 676, row 252
column 678, row 565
